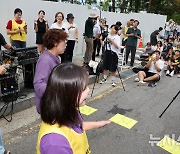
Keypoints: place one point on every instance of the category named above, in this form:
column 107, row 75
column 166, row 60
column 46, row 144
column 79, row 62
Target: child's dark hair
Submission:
column 61, row 98
column 17, row 10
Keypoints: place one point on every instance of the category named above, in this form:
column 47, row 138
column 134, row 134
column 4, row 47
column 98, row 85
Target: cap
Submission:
column 70, row 16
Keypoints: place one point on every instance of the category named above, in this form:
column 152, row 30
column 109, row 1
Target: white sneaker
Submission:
column 136, row 80
column 178, row 76
column 103, row 81
column 167, row 72
column 113, row 84
column 141, row 83
column 172, row 73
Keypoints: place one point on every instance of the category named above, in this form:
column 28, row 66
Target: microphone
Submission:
column 20, row 31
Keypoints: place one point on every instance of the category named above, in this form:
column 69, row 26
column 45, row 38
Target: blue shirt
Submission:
column 47, row 61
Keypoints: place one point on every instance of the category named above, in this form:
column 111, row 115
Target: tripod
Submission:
column 169, row 104
column 99, row 67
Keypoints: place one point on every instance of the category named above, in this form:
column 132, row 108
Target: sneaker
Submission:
column 141, row 83
column 172, row 73
column 167, row 72
column 113, row 84
column 136, row 79
column 103, row 80
column 178, row 76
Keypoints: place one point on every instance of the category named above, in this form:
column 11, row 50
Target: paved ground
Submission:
column 143, row 104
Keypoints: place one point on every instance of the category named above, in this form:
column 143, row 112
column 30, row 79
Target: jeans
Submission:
column 18, row 44
column 1, row 144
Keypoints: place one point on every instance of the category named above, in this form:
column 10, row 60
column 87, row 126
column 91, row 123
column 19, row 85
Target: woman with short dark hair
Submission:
column 17, row 29
column 40, row 26
column 63, row 130
column 55, row 42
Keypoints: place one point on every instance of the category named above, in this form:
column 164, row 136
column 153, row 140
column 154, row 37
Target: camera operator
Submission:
column 88, row 35
column 110, row 59
column 104, row 34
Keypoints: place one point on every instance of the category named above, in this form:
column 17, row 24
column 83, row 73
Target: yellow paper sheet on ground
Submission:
column 169, row 145
column 123, row 121
column 87, row 110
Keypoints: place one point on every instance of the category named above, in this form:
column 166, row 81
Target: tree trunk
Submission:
column 113, row 5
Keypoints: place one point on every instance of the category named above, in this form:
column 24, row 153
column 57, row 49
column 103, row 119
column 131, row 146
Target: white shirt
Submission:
column 159, row 63
column 71, row 31
column 167, row 26
column 56, row 26
column 117, row 40
column 96, row 30
column 178, row 28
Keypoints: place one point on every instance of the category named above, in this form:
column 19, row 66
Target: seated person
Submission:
column 147, row 52
column 155, row 65
column 168, row 56
column 158, row 46
column 174, row 64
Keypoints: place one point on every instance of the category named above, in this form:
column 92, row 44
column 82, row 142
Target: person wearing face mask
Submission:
column 17, row 29
column 40, row 26
column 154, row 66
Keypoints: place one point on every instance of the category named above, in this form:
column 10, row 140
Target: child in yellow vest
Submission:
column 62, row 130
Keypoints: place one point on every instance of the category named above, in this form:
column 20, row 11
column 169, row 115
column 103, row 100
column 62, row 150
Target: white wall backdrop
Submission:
column 30, row 8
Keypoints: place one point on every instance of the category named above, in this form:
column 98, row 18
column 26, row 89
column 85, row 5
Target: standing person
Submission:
column 72, row 37
column 104, row 33
column 125, row 29
column 59, row 24
column 133, row 35
column 168, row 28
column 110, row 58
column 154, row 35
column 96, row 36
column 88, row 35
column 40, row 26
column 2, row 71
column 17, row 29
column 54, row 41
column 4, row 44
column 63, row 130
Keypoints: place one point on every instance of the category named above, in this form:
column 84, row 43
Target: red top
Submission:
column 9, row 24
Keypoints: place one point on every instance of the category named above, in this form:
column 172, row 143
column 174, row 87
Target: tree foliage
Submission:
column 171, row 8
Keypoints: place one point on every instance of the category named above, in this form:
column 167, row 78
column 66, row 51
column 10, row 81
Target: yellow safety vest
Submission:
column 125, row 31
column 16, row 26
column 78, row 142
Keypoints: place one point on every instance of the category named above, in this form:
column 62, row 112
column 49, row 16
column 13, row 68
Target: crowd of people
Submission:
column 60, row 89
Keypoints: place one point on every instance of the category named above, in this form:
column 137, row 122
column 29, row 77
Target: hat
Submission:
column 92, row 15
column 70, row 16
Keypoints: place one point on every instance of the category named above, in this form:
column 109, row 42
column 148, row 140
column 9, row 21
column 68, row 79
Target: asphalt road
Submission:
column 143, row 104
